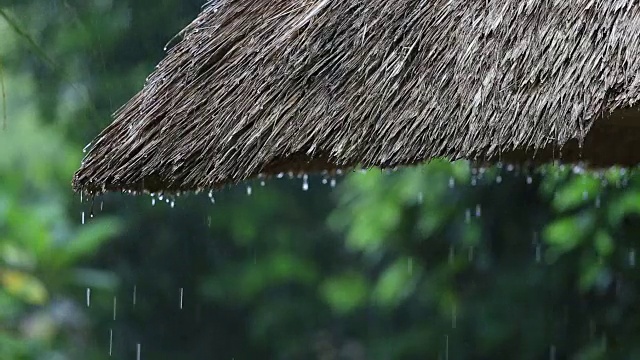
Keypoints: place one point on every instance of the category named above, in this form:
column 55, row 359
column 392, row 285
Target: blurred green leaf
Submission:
column 24, row 286
column 345, row 292
column 576, row 192
column 566, row 233
column 395, row 283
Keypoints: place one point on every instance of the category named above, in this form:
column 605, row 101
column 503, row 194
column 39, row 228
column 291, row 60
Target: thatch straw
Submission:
column 263, row 86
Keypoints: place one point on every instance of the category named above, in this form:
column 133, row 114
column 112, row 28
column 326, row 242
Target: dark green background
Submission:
column 386, row 265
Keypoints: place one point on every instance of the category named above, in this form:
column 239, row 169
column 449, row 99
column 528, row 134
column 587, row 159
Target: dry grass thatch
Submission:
column 262, row 86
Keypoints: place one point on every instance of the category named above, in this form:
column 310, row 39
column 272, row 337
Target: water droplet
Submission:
column 552, row 352
column 249, row 190
column 101, row 205
column 138, row 351
column 498, row 179
column 305, row 182
column 467, row 216
column 213, row 200
column 280, row 175
column 474, row 181
column 454, row 316
column 88, row 295
column 110, row 341
column 83, row 218
column 529, row 179
column 420, row 197
column 333, row 183
column 262, row 183
column 115, row 304
column 81, row 198
column 632, row 257
column 598, row 201
column 172, row 203
column 324, row 181
column 478, row 210
column 452, row 183
column 135, row 290
column 181, row 297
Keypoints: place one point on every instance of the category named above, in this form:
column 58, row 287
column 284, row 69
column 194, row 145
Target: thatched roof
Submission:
column 263, row 86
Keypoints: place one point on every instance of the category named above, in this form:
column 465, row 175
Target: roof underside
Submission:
column 282, row 85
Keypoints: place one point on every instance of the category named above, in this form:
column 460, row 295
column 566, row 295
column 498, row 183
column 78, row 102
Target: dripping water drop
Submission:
column 115, row 304
column 305, row 182
column 249, row 190
column 88, row 295
column 181, row 297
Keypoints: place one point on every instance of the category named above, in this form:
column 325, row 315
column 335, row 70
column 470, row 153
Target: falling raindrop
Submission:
column 181, row 297
column 552, row 352
column 81, row 197
column 446, row 347
column 478, row 210
column 420, row 197
column 135, row 290
column 305, row 182
column 598, row 201
column 474, row 181
column 153, row 201
column 262, row 183
column 115, row 303
column 110, row 341
column 249, row 190
column 452, row 183
column 333, row 183
column 101, row 205
column 280, row 175
column 454, row 316
column 451, row 254
column 529, row 179
column 138, row 351
column 83, row 218
column 172, row 203
column 632, row 257
column 88, row 297
column 467, row 216
column 213, row 200
column 324, row 181
column 498, row 179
